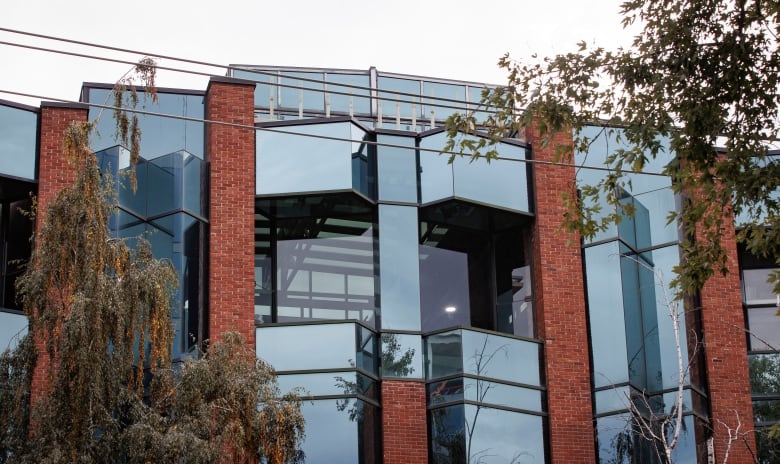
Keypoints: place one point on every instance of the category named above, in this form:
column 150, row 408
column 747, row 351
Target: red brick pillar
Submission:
column 404, row 422
column 230, row 151
column 54, row 173
column 725, row 357
column 560, row 310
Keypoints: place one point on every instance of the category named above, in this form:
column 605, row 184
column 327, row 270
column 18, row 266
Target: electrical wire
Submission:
column 323, row 137
column 238, row 68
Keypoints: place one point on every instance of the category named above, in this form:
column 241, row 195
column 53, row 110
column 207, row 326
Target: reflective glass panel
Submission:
column 360, row 98
column 605, row 311
column 443, row 109
column 159, row 135
column 401, row 355
column 766, row 411
column 399, row 268
column 764, row 373
column 18, row 140
column 301, row 347
column 612, row 399
column 174, row 182
column 764, row 329
column 498, row 357
column 308, row 93
column 443, row 354
column 615, row 439
column 477, row 434
column 756, row 289
column 12, row 328
column 330, row 383
column 289, row 163
column 483, row 391
column 265, row 90
column 393, row 104
column 341, row 431
column 397, row 169
column 264, row 269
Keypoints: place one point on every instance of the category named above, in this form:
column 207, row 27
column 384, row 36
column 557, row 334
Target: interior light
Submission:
column 450, row 309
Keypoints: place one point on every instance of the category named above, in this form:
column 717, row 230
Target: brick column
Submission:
column 54, row 173
column 404, row 422
column 230, row 152
column 560, row 310
column 725, row 357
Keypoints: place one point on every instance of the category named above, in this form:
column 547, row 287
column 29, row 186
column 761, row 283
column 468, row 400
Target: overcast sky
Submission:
column 453, row 39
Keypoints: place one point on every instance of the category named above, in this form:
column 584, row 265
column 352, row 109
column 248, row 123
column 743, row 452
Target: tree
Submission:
column 701, row 73
column 103, row 311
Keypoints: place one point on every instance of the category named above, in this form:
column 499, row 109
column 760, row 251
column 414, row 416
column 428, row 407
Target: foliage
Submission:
column 102, row 313
column 701, row 73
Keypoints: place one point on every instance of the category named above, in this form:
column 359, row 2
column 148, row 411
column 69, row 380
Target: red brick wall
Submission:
column 404, row 422
column 54, row 174
column 230, row 152
column 725, row 357
column 559, row 299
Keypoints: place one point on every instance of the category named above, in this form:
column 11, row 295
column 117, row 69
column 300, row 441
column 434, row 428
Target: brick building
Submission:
column 435, row 311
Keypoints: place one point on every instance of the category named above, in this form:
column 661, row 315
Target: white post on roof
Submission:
column 300, row 100
column 414, row 117
column 351, row 107
column 271, row 106
column 397, row 115
column 379, row 114
column 433, row 119
column 327, row 105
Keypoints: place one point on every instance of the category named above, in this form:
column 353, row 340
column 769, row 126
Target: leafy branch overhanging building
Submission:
column 435, row 312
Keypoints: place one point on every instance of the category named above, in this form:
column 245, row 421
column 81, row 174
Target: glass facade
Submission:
column 348, row 235
column 169, row 207
column 18, row 175
column 632, row 324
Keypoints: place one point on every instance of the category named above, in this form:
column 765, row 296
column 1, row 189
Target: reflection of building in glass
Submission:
column 433, row 310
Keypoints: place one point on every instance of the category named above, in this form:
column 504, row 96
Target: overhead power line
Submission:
column 460, row 103
column 319, row 136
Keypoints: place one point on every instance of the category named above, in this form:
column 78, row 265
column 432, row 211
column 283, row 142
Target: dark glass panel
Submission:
column 342, row 431
column 12, row 328
column 443, row 354
column 175, row 182
column 401, row 355
column 361, row 102
column 441, row 90
column 764, row 373
column 159, row 135
column 393, row 104
column 483, row 391
column 292, row 163
column 396, row 169
column 477, row 434
column 18, row 231
column 768, row 446
column 18, row 140
column 399, row 267
column 302, row 347
column 367, row 349
column 264, row 268
column 444, row 285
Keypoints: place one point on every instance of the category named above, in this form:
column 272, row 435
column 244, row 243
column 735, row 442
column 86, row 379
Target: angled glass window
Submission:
column 288, row 162
column 396, row 169
column 18, row 141
column 502, row 183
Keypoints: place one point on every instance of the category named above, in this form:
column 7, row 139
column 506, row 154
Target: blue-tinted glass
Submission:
column 685, row 451
column 399, row 268
column 289, row 163
column 396, row 169
column 367, row 349
column 308, row 93
column 174, row 182
column 12, row 328
column 394, row 104
column 764, row 373
column 159, row 135
column 323, row 346
column 615, row 439
column 612, row 399
column 476, row 434
column 483, row 391
column 443, row 354
column 264, row 90
column 342, row 431
column 330, row 383
column 401, row 355
column 18, row 139
column 443, row 109
column 502, row 183
column 360, row 98
column 605, row 309
column 637, row 345
column 498, row 357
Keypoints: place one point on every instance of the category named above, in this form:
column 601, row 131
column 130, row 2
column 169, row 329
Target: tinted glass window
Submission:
column 396, row 169
column 401, row 355
column 399, row 271
column 12, row 328
column 18, row 140
column 339, row 431
column 483, row 391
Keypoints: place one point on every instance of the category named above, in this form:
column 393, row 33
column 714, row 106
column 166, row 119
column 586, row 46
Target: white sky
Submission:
column 454, row 39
